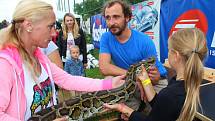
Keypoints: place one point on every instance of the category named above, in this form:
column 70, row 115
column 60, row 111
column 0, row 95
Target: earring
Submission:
column 29, row 30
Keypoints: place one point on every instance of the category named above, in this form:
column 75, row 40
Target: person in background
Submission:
column 58, row 29
column 26, row 71
column 4, row 24
column 74, row 66
column 53, row 54
column 124, row 47
column 180, row 99
column 71, row 34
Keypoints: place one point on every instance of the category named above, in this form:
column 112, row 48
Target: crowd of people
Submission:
column 37, row 56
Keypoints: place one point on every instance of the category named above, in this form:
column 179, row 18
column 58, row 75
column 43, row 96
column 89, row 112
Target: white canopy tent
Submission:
column 7, row 8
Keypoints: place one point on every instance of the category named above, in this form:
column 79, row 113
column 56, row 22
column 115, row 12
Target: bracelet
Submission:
column 146, row 82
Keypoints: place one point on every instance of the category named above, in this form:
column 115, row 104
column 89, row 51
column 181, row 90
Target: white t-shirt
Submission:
column 37, row 98
column 70, row 42
column 51, row 47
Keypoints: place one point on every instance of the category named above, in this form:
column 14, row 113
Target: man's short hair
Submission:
column 125, row 7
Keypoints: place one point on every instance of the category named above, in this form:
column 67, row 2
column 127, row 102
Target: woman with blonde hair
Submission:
column 27, row 76
column 180, row 99
column 71, row 34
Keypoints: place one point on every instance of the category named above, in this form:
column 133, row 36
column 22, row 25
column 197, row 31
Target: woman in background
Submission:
column 71, row 34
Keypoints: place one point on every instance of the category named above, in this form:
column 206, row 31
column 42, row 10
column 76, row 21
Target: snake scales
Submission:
column 90, row 104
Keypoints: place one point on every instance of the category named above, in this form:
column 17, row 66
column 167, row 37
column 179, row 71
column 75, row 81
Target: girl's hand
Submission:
column 125, row 110
column 143, row 75
column 142, row 93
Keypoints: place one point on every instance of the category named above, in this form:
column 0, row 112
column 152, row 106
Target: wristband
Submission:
column 146, row 82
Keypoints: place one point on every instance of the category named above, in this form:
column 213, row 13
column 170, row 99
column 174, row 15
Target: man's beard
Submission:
column 121, row 29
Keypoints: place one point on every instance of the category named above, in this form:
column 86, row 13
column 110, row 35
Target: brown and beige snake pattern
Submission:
column 90, row 104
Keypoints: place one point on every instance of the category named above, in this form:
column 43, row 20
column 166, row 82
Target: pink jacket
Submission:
column 12, row 96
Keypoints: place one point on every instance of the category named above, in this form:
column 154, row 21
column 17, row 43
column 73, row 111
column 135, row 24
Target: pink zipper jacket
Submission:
column 12, row 86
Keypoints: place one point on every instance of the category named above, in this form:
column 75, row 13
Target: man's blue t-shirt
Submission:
column 137, row 48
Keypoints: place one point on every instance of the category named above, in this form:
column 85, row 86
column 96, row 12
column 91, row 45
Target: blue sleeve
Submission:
column 104, row 46
column 150, row 50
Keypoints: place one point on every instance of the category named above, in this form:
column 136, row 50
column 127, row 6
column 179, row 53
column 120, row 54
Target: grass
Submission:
column 94, row 72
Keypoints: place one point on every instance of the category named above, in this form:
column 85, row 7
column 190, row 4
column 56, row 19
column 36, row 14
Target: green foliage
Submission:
column 88, row 8
column 92, row 7
column 134, row 1
column 88, row 38
column 95, row 53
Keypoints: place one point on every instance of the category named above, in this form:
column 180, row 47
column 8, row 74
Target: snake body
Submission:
column 90, row 104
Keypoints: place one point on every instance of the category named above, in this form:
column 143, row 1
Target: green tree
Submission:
column 92, row 7
column 89, row 8
column 134, row 1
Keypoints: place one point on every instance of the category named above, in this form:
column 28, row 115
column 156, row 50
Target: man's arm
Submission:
column 55, row 58
column 108, row 69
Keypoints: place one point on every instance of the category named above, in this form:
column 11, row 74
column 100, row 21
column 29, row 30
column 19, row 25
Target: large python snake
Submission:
column 90, row 104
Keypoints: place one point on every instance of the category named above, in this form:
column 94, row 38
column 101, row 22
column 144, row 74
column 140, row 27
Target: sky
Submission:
column 7, row 11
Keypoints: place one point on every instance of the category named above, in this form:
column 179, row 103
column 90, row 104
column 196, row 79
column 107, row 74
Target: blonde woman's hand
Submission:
column 118, row 81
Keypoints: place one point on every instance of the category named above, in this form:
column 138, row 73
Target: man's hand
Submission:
column 154, row 74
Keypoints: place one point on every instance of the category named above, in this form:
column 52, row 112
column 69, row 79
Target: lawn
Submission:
column 94, row 72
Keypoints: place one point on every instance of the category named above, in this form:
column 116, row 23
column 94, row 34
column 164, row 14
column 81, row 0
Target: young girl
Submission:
column 180, row 99
column 74, row 66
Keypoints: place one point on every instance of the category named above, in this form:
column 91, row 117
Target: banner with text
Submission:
column 145, row 18
column 98, row 26
column 177, row 14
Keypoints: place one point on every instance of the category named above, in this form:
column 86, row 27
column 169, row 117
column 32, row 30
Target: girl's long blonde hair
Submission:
column 191, row 44
column 75, row 29
column 34, row 10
